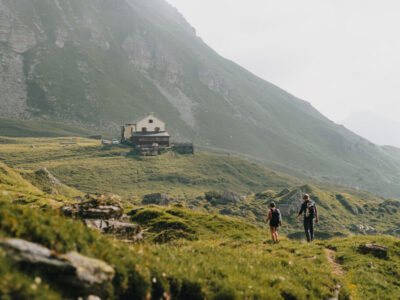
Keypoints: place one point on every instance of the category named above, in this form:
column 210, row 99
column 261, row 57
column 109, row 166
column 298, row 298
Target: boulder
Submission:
column 157, row 198
column 226, row 197
column 120, row 230
column 93, row 207
column 374, row 249
column 82, row 275
column 229, row 196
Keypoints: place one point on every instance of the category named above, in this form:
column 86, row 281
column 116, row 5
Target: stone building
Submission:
column 146, row 131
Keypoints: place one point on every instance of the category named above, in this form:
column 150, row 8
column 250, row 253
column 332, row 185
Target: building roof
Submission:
column 137, row 120
column 152, row 134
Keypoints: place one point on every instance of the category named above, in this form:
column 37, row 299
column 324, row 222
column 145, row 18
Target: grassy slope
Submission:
column 90, row 167
column 207, row 256
column 21, row 128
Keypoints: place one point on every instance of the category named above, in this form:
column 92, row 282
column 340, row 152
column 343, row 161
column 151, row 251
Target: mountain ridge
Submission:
column 98, row 64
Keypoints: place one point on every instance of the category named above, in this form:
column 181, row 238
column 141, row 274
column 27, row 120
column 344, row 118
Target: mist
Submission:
column 342, row 56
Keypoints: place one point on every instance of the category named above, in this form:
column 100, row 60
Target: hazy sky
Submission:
column 343, row 56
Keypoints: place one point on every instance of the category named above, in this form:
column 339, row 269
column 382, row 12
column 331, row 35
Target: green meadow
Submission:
column 193, row 248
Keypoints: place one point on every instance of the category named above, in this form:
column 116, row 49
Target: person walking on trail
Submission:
column 310, row 212
column 275, row 220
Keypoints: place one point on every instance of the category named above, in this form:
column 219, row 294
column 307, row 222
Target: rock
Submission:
column 81, row 274
column 120, row 230
column 90, row 274
column 229, row 196
column 374, row 249
column 105, row 216
column 35, row 254
column 225, row 197
column 45, row 176
column 157, row 198
column 92, row 207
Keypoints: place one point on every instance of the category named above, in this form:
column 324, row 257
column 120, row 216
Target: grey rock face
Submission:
column 13, row 90
column 14, row 33
column 214, row 81
column 84, row 275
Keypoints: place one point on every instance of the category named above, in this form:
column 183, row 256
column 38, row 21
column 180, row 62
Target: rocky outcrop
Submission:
column 106, row 216
column 225, row 197
column 83, row 275
column 121, row 230
column 374, row 249
column 157, row 198
column 214, row 81
column 94, row 207
column 291, row 202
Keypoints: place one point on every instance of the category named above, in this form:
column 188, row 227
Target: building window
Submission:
column 150, row 121
column 144, row 129
column 157, row 129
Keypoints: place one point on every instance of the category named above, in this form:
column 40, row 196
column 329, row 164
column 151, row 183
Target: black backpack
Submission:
column 276, row 216
column 311, row 210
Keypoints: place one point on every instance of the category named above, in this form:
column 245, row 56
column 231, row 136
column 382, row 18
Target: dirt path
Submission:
column 331, row 257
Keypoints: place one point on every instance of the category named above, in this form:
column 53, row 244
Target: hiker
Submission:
column 275, row 220
column 310, row 212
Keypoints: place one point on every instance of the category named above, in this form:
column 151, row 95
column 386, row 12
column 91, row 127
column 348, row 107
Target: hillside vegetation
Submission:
column 90, row 167
column 99, row 64
column 205, row 256
column 205, row 182
column 186, row 254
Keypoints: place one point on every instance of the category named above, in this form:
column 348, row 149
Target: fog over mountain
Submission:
column 376, row 128
column 342, row 56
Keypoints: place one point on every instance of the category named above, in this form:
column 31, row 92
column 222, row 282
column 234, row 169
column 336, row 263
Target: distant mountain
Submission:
column 99, row 63
column 374, row 127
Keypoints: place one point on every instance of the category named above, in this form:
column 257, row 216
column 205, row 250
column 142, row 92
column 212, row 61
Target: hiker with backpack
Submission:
column 275, row 220
column 310, row 212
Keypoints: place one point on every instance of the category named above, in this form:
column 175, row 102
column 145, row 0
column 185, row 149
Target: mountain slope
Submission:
column 99, row 63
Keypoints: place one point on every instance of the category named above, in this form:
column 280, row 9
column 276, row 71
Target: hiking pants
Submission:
column 309, row 229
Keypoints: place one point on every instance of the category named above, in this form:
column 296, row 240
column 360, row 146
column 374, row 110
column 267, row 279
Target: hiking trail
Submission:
column 331, row 257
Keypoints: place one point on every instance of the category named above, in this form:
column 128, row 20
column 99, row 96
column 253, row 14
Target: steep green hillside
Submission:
column 100, row 63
